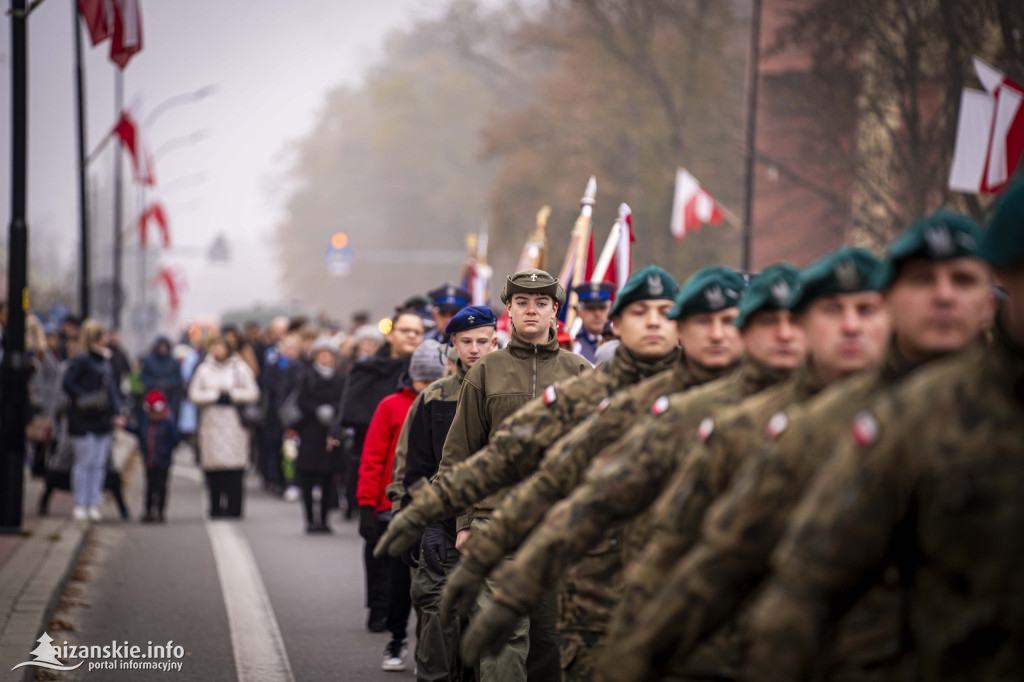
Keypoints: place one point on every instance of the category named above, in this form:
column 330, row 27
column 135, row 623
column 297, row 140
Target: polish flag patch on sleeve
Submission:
column 549, row 395
column 864, row 429
column 660, row 405
column 603, row 405
column 776, row 425
column 705, row 429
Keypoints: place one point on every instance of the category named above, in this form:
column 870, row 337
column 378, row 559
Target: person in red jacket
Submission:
column 388, row 579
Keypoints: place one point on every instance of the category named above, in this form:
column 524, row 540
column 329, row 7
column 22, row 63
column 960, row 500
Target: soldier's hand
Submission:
column 489, row 630
column 403, row 532
column 461, row 589
column 434, row 548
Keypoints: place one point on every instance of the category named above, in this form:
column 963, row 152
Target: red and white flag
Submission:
column 693, row 206
column 156, row 213
column 142, row 160
column 126, row 40
column 99, row 19
column 616, row 259
column 989, row 133
column 173, row 279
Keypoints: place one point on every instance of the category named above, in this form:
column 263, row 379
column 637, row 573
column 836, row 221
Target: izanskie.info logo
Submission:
column 113, row 656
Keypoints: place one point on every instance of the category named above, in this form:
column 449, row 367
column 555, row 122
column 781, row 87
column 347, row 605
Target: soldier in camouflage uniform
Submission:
column 638, row 463
column 927, row 477
column 937, row 291
column 562, row 468
column 471, row 333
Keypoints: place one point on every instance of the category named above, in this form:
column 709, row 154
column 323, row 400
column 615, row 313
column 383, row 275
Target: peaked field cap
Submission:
column 470, row 317
column 450, row 297
column 594, row 293
column 943, row 235
column 647, row 284
column 1003, row 243
column 847, row 270
column 771, row 289
column 533, row 282
column 711, row 290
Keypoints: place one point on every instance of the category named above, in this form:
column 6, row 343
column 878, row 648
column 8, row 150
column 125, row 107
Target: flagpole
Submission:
column 118, row 202
column 753, row 73
column 83, row 203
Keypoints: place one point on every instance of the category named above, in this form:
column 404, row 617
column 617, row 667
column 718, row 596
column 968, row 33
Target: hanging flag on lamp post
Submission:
column 126, row 38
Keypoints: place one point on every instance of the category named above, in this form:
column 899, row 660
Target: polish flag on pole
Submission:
column 142, row 160
column 99, row 19
column 126, row 40
column 156, row 213
column 693, row 206
column 989, row 133
column 616, row 259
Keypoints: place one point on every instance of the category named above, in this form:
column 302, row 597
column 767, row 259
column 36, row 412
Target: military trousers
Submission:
column 437, row 644
column 534, row 650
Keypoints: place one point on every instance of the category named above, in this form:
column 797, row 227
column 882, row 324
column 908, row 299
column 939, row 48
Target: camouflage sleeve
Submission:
column 617, row 487
column 396, row 490
column 835, row 547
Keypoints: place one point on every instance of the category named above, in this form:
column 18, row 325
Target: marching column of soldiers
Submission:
column 813, row 475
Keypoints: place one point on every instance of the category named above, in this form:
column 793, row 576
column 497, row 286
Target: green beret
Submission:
column 1003, row 243
column 533, row 282
column 770, row 290
column 710, row 290
column 648, row 284
column 845, row 271
column 941, row 236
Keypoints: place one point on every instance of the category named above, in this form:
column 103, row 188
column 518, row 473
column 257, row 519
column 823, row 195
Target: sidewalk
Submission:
column 34, row 567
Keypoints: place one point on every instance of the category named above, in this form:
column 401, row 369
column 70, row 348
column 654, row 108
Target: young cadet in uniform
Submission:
column 928, row 477
column 596, row 505
column 472, row 335
column 445, row 301
column 594, row 302
column 937, row 291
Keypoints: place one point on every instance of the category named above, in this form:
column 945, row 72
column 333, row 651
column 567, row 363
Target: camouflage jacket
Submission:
column 742, row 527
column 517, row 447
column 427, row 426
column 927, row 477
column 495, row 388
column 620, row 485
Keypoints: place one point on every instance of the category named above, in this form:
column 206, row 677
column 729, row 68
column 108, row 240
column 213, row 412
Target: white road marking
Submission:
column 255, row 636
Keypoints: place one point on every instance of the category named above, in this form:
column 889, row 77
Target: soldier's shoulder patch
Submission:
column 705, row 429
column 864, row 429
column 776, row 425
column 549, row 395
column 660, row 405
column 603, row 405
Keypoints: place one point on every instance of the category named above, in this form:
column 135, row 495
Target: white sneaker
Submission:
column 394, row 655
column 94, row 514
column 80, row 514
column 292, row 494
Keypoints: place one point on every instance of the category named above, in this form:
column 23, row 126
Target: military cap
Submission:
column 1003, row 243
column 468, row 318
column 770, row 290
column 450, row 297
column 598, row 294
column 709, row 291
column 650, row 283
column 941, row 236
column 844, row 271
column 533, row 282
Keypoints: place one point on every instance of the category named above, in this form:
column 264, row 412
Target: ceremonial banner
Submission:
column 693, row 206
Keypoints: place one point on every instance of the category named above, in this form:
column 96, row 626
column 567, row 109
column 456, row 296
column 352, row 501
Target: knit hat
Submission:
column 427, row 363
column 648, row 284
column 367, row 333
column 323, row 343
column 156, row 402
column 943, row 235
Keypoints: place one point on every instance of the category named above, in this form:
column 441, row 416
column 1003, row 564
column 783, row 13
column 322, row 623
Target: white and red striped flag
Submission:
column 142, row 159
column 989, row 133
column 99, row 19
column 156, row 213
column 126, row 40
column 693, row 206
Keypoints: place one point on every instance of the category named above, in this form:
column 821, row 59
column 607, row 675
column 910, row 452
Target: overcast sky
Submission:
column 272, row 62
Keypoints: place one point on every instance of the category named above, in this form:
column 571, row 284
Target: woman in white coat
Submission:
column 221, row 384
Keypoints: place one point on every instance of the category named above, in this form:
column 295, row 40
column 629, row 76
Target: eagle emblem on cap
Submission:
column 781, row 292
column 655, row 287
column 939, row 241
column 715, row 297
column 533, row 277
column 847, row 276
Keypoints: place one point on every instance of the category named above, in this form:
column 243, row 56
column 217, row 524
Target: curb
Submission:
column 31, row 583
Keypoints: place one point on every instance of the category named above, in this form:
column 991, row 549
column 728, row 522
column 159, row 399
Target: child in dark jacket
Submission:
column 158, row 436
